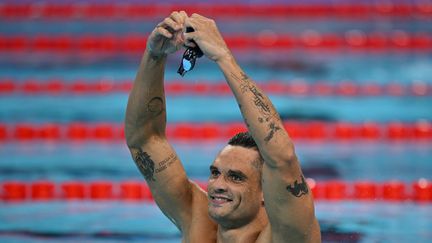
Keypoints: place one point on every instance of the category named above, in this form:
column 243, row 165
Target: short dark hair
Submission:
column 243, row 139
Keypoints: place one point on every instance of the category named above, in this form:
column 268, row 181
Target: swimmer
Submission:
column 256, row 189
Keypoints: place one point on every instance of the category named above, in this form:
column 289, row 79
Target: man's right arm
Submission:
column 288, row 201
column 145, row 133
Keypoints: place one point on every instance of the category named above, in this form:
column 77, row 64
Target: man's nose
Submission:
column 218, row 185
column 219, row 190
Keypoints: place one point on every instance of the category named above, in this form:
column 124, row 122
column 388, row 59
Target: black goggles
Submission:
column 189, row 57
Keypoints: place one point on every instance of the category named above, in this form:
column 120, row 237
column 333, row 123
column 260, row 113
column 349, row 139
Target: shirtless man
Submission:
column 256, row 189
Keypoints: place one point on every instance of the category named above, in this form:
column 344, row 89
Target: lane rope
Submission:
column 219, row 88
column 99, row 11
column 193, row 131
column 110, row 43
column 419, row 191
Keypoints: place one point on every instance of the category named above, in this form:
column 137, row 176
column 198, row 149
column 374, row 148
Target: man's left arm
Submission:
column 287, row 197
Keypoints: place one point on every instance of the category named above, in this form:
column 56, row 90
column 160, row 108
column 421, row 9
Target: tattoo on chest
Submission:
column 145, row 164
column 298, row 189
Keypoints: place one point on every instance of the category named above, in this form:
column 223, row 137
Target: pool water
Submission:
column 118, row 221
column 133, row 222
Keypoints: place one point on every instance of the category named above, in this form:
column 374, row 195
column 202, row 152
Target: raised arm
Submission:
column 288, row 200
column 145, row 128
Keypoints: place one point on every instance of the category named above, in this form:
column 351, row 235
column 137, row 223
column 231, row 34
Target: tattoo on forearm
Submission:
column 244, row 82
column 273, row 129
column 244, row 76
column 259, row 101
column 145, row 164
column 298, row 189
column 164, row 164
column 258, row 98
column 155, row 106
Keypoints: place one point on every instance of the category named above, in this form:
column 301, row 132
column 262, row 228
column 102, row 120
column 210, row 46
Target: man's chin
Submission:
column 218, row 213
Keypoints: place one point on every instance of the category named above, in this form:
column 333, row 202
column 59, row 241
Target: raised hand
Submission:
column 206, row 36
column 167, row 37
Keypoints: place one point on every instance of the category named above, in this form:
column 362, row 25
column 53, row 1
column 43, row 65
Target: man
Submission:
column 256, row 190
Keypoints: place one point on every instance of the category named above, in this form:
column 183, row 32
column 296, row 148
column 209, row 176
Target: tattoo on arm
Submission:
column 258, row 98
column 145, row 164
column 155, row 106
column 244, row 82
column 298, row 189
column 259, row 101
column 273, row 128
column 244, row 76
column 164, row 164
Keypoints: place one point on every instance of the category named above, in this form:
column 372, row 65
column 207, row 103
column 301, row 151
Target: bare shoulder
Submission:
column 201, row 228
column 266, row 236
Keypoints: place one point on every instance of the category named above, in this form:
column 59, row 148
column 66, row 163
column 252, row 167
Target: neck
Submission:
column 245, row 233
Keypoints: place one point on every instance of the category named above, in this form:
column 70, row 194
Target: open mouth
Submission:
column 219, row 199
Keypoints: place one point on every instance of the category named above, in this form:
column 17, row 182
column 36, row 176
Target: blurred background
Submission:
column 351, row 79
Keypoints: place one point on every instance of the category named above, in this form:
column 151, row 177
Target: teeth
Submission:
column 220, row 198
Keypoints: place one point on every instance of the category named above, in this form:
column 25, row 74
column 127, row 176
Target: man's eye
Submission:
column 236, row 178
column 214, row 173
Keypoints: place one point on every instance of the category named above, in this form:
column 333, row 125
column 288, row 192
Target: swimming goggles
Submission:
column 189, row 57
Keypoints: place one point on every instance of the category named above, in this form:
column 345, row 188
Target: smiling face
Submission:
column 234, row 187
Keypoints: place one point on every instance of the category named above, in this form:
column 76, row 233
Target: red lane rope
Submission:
column 310, row 130
column 178, row 87
column 265, row 40
column 98, row 11
column 419, row 191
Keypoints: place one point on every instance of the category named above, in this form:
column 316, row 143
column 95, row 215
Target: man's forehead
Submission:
column 235, row 157
column 238, row 150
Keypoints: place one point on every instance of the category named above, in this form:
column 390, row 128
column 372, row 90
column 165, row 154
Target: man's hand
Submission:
column 167, row 37
column 207, row 37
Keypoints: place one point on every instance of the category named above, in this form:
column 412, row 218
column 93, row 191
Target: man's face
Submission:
column 234, row 187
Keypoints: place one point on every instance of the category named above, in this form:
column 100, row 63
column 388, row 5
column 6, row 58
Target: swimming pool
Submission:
column 377, row 69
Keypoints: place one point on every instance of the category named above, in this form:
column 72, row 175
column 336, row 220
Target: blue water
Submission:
column 282, row 65
column 94, row 108
column 132, row 222
column 116, row 221
column 226, row 25
column 321, row 160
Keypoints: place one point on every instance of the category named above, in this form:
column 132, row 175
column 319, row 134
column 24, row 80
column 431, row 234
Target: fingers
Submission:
column 190, row 39
column 178, row 21
column 169, row 24
column 164, row 32
column 172, row 24
column 179, row 17
column 198, row 22
column 192, row 22
column 195, row 15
